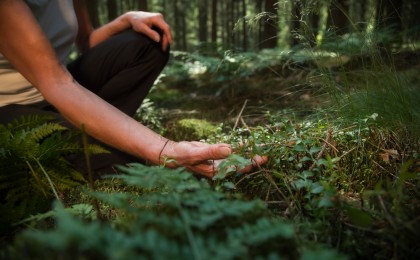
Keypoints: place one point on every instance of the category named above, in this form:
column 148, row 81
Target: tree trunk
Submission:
column 112, row 9
column 338, row 19
column 270, row 29
column 92, row 7
column 231, row 24
column 322, row 23
column 236, row 29
column 184, row 30
column 389, row 14
column 259, row 30
column 214, row 21
column 244, row 32
column 226, row 24
column 388, row 19
column 180, row 25
column 296, row 22
column 357, row 11
column 202, row 21
column 143, row 5
column 176, row 26
column 411, row 20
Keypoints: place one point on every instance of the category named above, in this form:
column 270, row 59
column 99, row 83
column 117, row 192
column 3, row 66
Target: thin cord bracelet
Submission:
column 161, row 151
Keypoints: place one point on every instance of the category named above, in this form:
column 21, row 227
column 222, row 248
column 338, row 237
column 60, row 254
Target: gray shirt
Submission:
column 58, row 21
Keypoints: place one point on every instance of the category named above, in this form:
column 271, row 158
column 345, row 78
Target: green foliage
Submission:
column 381, row 90
column 336, row 181
column 176, row 217
column 149, row 115
column 389, row 216
column 206, row 71
column 33, row 165
column 365, row 80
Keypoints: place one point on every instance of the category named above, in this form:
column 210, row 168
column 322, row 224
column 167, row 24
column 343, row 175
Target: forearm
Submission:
column 141, row 22
column 102, row 33
column 88, row 37
column 105, row 122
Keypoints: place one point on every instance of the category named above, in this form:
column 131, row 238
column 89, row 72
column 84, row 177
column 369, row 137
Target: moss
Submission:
column 192, row 129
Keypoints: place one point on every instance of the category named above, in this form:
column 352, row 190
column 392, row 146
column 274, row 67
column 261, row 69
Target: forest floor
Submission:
column 297, row 89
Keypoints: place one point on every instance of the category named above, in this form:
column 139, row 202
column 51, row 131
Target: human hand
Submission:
column 143, row 22
column 202, row 158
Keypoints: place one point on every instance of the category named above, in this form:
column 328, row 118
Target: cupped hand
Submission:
column 143, row 22
column 202, row 158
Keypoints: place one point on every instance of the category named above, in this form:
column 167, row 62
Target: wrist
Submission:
column 127, row 18
column 166, row 155
column 160, row 157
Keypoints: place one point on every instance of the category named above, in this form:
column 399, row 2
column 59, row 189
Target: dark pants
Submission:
column 121, row 70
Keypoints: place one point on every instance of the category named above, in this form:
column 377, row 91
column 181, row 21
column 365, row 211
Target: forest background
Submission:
column 252, row 25
column 327, row 89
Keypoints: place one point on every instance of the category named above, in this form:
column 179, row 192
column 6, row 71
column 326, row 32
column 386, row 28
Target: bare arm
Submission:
column 141, row 22
column 82, row 107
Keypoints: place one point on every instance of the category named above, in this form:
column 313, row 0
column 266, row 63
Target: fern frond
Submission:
column 181, row 218
column 45, row 130
column 29, row 121
column 33, row 160
column 146, row 177
column 97, row 149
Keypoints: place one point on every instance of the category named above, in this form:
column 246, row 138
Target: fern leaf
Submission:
column 45, row 130
column 28, row 122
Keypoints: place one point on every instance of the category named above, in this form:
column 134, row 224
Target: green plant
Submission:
column 176, row 216
column 33, row 165
column 387, row 223
column 149, row 115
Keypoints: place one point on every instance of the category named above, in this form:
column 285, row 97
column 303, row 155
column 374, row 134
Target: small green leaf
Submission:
column 316, row 188
column 359, row 218
column 299, row 148
column 314, row 149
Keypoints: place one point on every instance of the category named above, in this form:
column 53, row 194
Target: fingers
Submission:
column 256, row 162
column 205, row 170
column 165, row 42
column 214, row 152
column 193, row 153
column 155, row 36
column 210, row 169
column 144, row 22
column 204, row 159
column 166, row 34
column 149, row 32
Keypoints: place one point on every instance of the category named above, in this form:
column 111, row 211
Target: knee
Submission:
column 148, row 51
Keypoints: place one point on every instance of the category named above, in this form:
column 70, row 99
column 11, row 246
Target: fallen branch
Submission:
column 240, row 114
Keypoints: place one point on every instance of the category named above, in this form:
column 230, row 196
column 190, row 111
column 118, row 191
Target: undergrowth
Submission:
column 340, row 184
column 176, row 216
column 34, row 165
column 328, row 190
